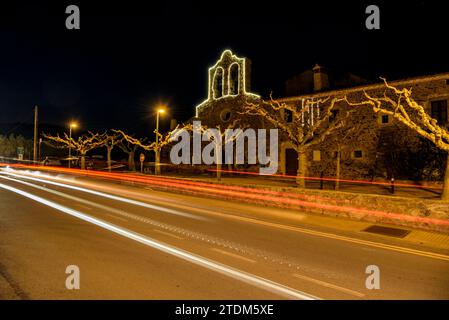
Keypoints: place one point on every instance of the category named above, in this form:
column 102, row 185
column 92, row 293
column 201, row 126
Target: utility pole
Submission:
column 35, row 135
column 40, row 149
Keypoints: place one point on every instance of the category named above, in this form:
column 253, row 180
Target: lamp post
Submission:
column 157, row 168
column 72, row 125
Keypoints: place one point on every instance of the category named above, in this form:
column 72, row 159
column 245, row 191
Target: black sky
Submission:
column 131, row 55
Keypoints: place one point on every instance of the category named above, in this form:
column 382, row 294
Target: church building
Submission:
column 370, row 151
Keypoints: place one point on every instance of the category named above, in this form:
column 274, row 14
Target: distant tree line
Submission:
column 10, row 143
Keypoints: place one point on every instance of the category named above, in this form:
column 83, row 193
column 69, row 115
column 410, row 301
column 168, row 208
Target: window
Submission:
column 218, row 83
column 316, row 155
column 288, row 116
column 234, row 79
column 358, row 154
column 226, row 115
column 334, row 115
column 438, row 110
column 383, row 119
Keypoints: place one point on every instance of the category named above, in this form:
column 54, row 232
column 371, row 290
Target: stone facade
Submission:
column 229, row 89
column 372, row 150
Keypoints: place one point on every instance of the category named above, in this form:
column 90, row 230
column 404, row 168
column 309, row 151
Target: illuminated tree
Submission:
column 356, row 130
column 83, row 144
column 110, row 141
column 399, row 104
column 135, row 141
column 130, row 150
column 218, row 142
column 304, row 125
column 163, row 141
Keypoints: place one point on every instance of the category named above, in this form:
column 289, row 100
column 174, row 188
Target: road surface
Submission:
column 133, row 242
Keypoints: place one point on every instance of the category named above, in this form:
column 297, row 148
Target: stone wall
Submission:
column 416, row 213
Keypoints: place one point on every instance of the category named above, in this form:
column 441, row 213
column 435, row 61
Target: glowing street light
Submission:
column 157, row 169
column 71, row 126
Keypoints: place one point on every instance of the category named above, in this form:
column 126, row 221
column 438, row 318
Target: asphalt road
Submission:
column 137, row 243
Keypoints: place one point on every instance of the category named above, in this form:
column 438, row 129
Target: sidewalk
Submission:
column 425, row 192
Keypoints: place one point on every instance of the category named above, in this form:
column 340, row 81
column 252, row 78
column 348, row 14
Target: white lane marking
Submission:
column 233, row 255
column 168, row 234
column 110, row 196
column 329, row 285
column 257, row 281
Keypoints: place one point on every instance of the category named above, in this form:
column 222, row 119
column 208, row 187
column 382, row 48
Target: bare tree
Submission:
column 355, row 129
column 135, row 141
column 110, row 141
column 304, row 125
column 400, row 104
column 342, row 141
column 83, row 144
column 218, row 142
column 130, row 150
column 163, row 141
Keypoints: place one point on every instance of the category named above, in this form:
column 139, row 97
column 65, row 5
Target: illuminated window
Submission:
column 316, row 155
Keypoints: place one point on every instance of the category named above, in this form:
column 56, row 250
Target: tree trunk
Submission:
column 445, row 194
column 218, row 171
column 131, row 163
column 338, row 169
column 302, row 169
column 109, row 159
column 83, row 161
column 218, row 159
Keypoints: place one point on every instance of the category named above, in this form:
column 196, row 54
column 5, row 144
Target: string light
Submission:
column 226, row 75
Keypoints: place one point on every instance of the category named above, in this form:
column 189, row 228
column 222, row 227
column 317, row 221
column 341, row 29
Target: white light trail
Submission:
column 204, row 262
column 81, row 200
column 110, row 196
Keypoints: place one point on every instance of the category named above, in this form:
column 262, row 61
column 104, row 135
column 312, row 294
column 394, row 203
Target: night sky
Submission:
column 130, row 56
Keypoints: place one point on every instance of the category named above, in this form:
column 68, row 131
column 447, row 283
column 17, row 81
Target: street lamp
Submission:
column 72, row 125
column 157, row 168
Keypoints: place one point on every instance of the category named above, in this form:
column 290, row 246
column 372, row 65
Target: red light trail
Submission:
column 254, row 195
